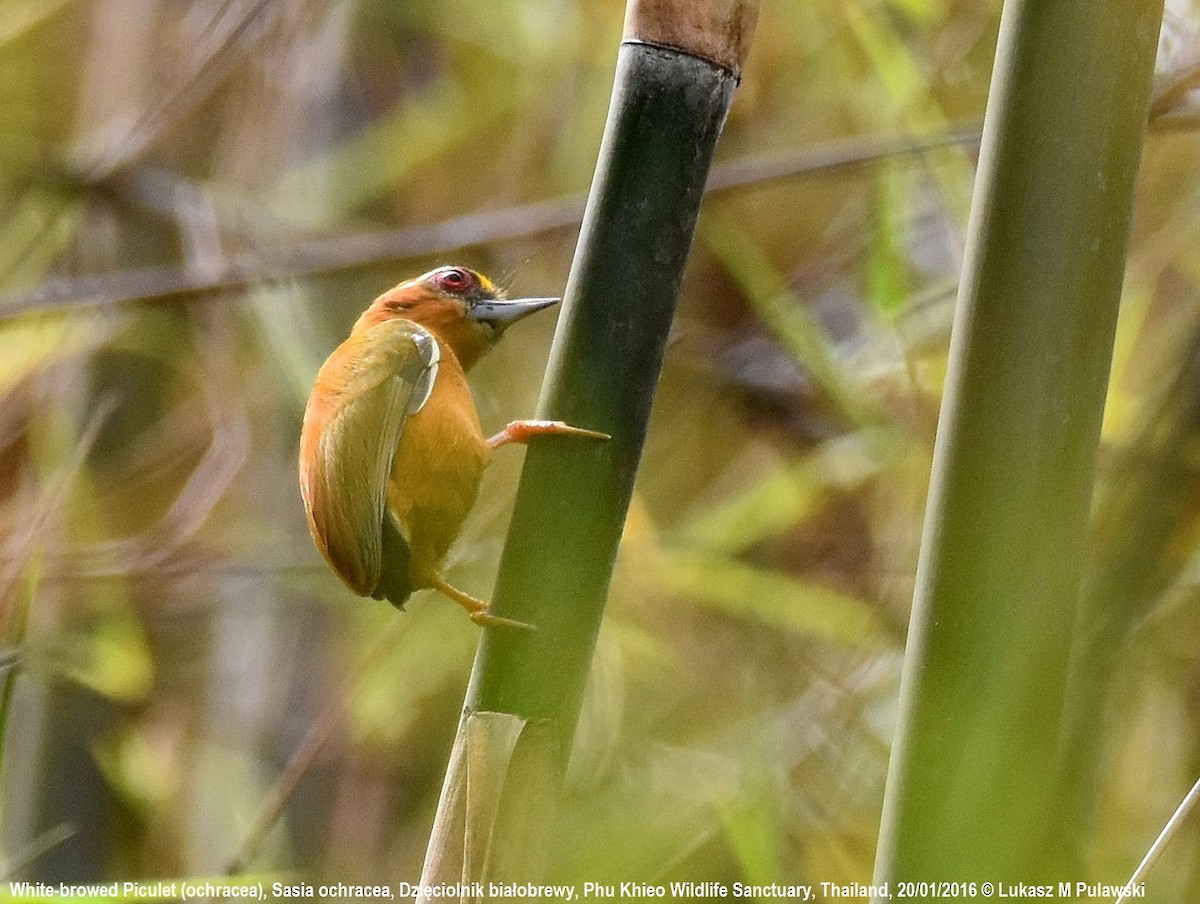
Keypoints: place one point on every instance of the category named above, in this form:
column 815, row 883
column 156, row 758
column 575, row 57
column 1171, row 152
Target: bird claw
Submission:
column 485, row 619
column 477, row 608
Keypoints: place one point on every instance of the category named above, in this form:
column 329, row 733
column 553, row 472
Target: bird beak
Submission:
column 500, row 315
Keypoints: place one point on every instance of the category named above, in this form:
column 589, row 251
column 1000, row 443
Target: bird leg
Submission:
column 524, row 431
column 477, row 608
column 515, row 432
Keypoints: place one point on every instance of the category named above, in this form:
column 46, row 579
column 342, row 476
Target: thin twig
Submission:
column 46, row 841
column 1165, row 837
column 46, row 504
column 224, row 44
column 307, row 258
column 13, row 622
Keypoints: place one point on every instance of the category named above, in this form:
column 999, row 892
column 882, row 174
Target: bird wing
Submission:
column 378, row 378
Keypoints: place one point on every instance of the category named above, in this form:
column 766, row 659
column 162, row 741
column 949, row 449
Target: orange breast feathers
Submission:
column 436, row 472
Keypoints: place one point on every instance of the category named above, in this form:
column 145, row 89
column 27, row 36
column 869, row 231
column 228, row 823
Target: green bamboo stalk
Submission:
column 976, row 762
column 676, row 72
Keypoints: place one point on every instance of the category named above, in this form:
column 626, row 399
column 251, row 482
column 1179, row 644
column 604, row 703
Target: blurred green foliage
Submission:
column 169, row 635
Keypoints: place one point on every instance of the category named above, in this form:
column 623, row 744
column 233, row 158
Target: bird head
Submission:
column 461, row 307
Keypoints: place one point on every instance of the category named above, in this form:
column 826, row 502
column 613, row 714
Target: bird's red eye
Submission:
column 454, row 279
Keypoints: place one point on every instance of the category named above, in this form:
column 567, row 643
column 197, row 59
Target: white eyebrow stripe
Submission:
column 431, row 354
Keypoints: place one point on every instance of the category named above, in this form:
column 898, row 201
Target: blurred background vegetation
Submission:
column 198, row 198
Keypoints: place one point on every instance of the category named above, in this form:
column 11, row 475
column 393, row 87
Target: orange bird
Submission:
column 391, row 450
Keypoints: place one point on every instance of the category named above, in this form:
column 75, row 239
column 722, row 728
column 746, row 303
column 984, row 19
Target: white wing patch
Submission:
column 431, row 354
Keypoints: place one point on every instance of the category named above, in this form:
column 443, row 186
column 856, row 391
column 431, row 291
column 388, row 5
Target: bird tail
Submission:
column 395, row 582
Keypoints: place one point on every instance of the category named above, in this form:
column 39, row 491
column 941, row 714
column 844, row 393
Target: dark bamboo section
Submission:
column 667, row 110
column 676, row 73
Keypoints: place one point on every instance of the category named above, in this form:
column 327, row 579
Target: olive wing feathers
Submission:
column 382, row 375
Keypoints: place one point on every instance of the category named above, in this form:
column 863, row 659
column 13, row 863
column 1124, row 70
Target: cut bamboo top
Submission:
column 715, row 30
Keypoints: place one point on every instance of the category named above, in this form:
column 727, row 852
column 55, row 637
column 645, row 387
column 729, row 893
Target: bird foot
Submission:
column 524, row 431
column 477, row 608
